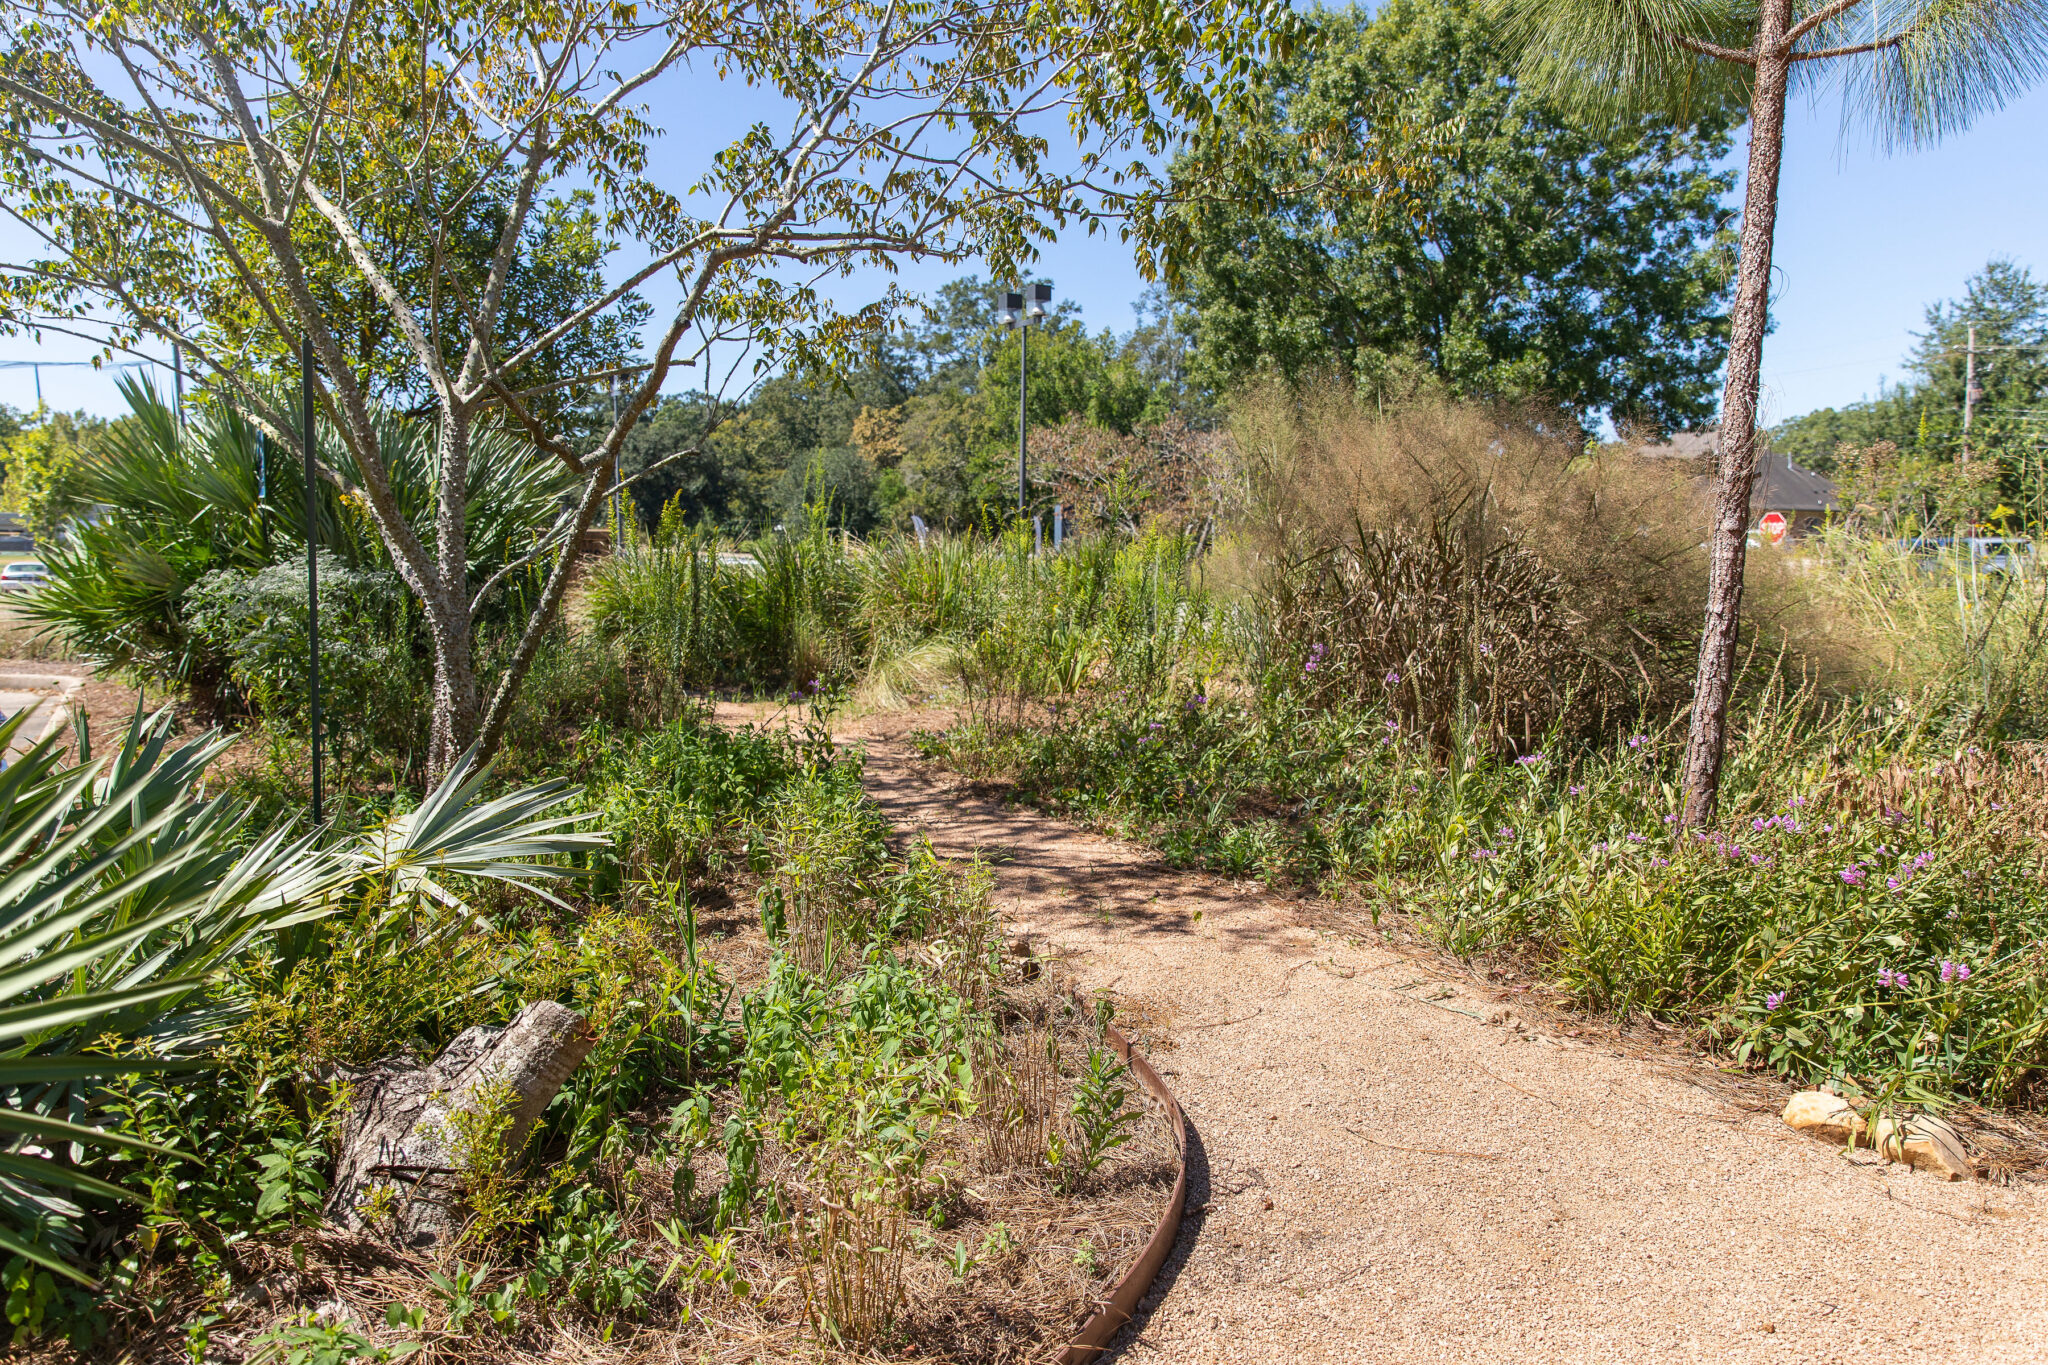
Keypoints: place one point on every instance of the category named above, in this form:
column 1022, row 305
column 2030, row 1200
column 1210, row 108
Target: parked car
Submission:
column 23, row 575
column 1986, row 554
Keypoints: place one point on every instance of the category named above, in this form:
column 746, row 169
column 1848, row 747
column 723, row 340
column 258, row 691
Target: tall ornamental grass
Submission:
column 1510, row 580
column 997, row 619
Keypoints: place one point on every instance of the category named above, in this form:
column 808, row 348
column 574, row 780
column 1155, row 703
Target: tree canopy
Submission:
column 1523, row 253
column 425, row 193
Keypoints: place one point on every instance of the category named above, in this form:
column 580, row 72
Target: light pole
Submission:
column 1015, row 314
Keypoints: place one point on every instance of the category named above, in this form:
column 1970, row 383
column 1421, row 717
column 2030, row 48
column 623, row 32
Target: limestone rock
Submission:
column 1926, row 1143
column 396, row 1137
column 1825, row 1115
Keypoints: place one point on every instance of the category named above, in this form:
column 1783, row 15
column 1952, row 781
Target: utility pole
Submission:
column 312, row 563
column 1969, row 388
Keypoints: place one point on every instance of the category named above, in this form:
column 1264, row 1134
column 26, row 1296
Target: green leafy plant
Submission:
column 460, row 1290
column 292, row 1182
column 323, row 1343
column 585, row 1251
column 1102, row 1116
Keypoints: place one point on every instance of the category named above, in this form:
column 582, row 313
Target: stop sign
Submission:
column 1774, row 527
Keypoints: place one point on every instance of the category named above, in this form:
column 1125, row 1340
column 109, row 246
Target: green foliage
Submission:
column 371, row 680
column 188, row 500
column 825, row 842
column 1897, row 453
column 41, row 459
column 291, row 1184
column 133, row 905
column 677, row 799
column 498, row 1200
column 585, row 1252
column 814, row 611
column 38, row 1302
column 703, row 612
column 1517, row 253
column 1102, row 1114
column 929, row 430
column 313, row 1342
column 1848, row 850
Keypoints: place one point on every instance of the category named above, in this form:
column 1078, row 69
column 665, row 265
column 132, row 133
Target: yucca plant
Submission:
column 125, row 894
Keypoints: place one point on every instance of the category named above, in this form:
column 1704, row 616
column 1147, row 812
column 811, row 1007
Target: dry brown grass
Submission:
column 1507, row 579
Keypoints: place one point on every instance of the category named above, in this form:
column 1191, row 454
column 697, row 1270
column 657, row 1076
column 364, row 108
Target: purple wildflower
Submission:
column 1637, row 839
column 1638, row 741
column 1392, row 677
column 1773, row 1000
column 1895, row 980
column 1853, row 875
column 1892, row 883
column 1671, row 819
column 1575, row 789
column 1660, row 862
column 1529, row 760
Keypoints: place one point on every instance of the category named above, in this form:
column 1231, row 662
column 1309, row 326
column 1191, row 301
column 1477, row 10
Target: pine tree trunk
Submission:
column 1728, row 531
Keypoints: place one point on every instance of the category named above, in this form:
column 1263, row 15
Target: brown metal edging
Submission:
column 1110, row 1315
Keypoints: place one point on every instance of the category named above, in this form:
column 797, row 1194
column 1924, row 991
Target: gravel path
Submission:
column 1384, row 1175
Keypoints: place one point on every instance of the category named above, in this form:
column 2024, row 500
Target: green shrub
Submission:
column 373, row 681
column 677, row 800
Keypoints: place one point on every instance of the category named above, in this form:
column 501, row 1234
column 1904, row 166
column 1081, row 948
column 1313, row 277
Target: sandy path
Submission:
column 1390, row 1178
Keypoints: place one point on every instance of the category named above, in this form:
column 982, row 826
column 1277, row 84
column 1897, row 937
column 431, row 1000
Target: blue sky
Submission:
column 1866, row 240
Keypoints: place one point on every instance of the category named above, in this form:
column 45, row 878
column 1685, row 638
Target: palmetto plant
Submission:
column 124, row 892
column 178, row 500
column 1919, row 69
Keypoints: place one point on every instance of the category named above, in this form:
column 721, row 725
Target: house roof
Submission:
column 1780, row 484
column 1785, row 487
